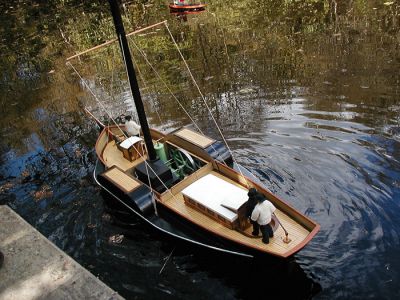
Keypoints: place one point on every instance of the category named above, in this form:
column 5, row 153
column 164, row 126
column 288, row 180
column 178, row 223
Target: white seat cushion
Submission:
column 214, row 192
column 130, row 141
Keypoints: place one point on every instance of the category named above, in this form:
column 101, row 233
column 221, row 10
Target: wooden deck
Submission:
column 174, row 200
column 297, row 233
column 112, row 156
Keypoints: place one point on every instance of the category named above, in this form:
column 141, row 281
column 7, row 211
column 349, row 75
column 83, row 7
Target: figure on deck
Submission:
column 1, row 259
column 131, row 127
column 251, row 203
column 179, row 2
column 261, row 217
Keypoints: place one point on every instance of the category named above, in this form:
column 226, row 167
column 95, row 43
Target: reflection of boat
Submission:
column 187, row 185
column 183, row 13
column 184, row 5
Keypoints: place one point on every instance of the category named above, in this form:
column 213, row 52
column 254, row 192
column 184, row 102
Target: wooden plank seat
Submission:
column 124, row 181
column 216, row 198
column 194, row 137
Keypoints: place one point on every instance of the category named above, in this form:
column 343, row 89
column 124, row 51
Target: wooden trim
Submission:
column 187, row 7
column 134, row 181
column 304, row 242
column 193, row 137
column 98, row 145
column 113, row 40
column 281, row 204
column 209, row 213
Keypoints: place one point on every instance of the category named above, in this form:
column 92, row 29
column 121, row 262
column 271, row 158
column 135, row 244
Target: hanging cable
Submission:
column 95, row 97
column 204, row 100
column 175, row 98
column 146, row 87
column 138, row 152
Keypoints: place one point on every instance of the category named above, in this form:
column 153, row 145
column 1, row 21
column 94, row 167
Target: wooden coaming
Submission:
column 301, row 229
column 277, row 247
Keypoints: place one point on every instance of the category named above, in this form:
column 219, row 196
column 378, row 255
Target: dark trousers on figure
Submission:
column 266, row 231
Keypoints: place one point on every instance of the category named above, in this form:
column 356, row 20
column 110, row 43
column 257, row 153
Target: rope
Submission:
column 146, row 87
column 95, row 97
column 148, row 179
column 173, row 95
column 204, row 100
column 165, row 84
column 169, row 256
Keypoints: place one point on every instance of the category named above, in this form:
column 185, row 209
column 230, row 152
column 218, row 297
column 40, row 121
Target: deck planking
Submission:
column 112, row 156
column 194, row 138
column 297, row 233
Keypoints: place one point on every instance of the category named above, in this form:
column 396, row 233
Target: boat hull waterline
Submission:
column 175, row 206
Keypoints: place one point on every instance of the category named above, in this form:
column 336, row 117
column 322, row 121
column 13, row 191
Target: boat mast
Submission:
column 123, row 43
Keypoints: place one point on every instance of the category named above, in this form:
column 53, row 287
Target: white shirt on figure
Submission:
column 132, row 128
column 262, row 212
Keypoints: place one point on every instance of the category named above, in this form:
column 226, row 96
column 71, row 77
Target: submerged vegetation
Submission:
column 309, row 86
column 269, row 46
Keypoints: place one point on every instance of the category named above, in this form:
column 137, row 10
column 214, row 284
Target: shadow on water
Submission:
column 207, row 273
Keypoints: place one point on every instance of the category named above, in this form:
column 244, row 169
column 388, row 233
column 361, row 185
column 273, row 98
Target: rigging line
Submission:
column 112, row 76
column 95, row 97
column 173, row 95
column 204, row 100
column 140, row 73
column 152, row 192
column 147, row 87
column 166, row 261
column 165, row 84
column 114, row 40
column 105, row 110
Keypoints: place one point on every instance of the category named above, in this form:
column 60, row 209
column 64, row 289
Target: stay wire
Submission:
column 204, row 100
column 173, row 95
column 105, row 110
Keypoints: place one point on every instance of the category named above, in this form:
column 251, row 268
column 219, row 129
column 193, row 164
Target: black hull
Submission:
column 171, row 226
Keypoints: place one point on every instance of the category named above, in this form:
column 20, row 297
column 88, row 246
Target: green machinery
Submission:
column 178, row 160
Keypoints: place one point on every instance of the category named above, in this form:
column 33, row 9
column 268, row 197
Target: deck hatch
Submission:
column 124, row 181
column 195, row 138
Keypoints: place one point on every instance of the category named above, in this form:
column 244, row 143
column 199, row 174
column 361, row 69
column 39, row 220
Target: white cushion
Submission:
column 130, row 141
column 214, row 192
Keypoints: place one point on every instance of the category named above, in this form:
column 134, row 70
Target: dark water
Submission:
column 307, row 94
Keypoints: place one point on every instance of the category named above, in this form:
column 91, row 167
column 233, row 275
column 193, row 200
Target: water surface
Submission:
column 306, row 93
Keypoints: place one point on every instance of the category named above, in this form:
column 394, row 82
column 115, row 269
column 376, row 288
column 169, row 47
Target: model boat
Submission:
column 188, row 185
column 186, row 6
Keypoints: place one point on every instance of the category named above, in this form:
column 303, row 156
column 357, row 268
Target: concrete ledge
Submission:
column 34, row 268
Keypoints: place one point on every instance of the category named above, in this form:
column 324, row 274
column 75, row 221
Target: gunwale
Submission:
column 187, row 7
column 300, row 228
